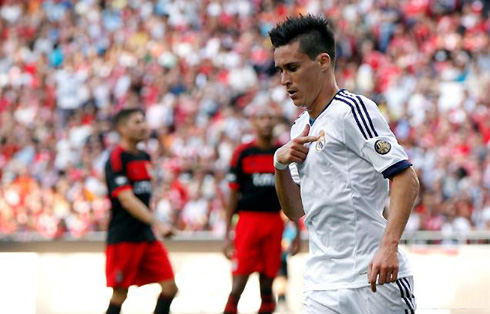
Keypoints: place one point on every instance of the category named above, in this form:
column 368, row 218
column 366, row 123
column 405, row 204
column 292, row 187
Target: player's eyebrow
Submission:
column 287, row 65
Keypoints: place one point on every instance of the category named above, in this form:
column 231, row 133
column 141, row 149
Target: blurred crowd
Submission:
column 196, row 67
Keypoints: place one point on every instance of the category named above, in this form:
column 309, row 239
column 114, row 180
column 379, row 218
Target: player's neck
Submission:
column 129, row 146
column 264, row 143
column 323, row 99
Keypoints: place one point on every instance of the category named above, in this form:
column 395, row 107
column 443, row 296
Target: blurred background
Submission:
column 197, row 67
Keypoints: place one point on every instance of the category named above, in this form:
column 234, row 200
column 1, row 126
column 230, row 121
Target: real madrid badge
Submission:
column 322, row 142
column 382, row 147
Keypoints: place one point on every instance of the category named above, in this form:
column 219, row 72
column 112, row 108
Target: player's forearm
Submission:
column 289, row 195
column 230, row 211
column 135, row 207
column 404, row 190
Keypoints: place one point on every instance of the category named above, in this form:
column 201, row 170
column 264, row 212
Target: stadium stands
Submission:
column 66, row 67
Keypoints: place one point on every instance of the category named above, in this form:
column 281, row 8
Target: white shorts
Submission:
column 393, row 298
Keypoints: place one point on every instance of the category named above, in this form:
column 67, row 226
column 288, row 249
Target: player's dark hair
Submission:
column 314, row 34
column 123, row 115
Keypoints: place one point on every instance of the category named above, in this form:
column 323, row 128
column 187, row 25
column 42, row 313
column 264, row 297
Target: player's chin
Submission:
column 266, row 137
column 140, row 138
column 267, row 133
column 298, row 102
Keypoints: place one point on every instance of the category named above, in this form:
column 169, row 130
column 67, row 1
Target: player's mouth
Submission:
column 292, row 93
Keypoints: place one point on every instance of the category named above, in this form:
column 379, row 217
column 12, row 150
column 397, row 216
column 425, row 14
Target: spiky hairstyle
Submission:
column 314, row 34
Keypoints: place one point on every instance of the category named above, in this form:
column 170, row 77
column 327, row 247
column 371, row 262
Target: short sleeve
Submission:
column 147, row 156
column 367, row 133
column 117, row 179
column 234, row 175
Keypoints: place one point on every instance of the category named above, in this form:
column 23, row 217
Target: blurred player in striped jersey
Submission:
column 258, row 233
column 134, row 256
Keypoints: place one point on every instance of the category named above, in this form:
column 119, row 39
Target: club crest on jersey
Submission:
column 382, row 147
column 322, row 142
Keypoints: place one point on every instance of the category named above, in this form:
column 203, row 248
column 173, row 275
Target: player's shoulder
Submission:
column 243, row 147
column 347, row 103
column 115, row 160
column 144, row 155
column 348, row 98
column 240, row 151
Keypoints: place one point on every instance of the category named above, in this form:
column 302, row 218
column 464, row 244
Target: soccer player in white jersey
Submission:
column 336, row 171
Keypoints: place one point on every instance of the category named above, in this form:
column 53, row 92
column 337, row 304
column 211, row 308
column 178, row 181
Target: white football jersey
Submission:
column 344, row 187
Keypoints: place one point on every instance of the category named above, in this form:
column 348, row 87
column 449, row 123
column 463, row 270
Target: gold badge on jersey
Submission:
column 382, row 147
column 322, row 142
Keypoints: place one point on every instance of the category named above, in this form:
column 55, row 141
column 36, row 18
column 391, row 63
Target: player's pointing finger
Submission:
column 373, row 275
column 307, row 139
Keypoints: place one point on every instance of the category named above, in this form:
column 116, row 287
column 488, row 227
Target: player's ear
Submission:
column 120, row 129
column 324, row 60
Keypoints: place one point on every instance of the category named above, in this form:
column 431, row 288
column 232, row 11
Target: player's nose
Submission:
column 285, row 79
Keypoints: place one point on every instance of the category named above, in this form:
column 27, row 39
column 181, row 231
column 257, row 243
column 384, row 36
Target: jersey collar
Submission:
column 311, row 120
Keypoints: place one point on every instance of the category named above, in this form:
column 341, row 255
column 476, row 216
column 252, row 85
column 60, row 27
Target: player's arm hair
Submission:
column 404, row 191
column 135, row 206
column 231, row 208
column 289, row 195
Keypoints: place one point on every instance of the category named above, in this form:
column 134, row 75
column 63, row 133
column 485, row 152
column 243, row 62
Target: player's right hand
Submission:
column 228, row 248
column 164, row 230
column 296, row 150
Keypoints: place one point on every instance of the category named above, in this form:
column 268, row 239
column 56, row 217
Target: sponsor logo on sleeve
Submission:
column 121, row 180
column 382, row 147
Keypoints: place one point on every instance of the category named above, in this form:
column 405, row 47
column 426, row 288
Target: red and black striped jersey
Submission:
column 252, row 174
column 126, row 170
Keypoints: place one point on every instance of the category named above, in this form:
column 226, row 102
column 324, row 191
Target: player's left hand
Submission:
column 383, row 267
